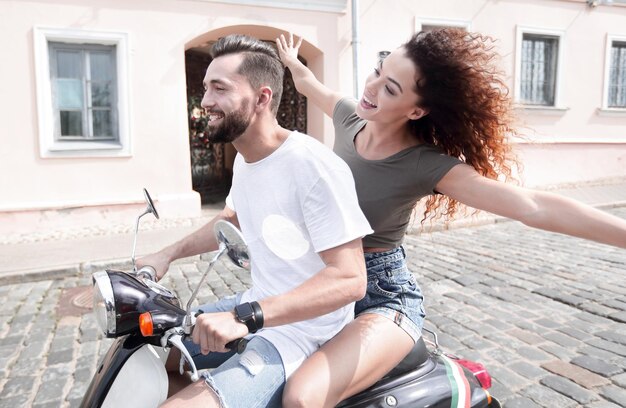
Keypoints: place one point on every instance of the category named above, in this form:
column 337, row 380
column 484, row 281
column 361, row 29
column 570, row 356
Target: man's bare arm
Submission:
column 198, row 242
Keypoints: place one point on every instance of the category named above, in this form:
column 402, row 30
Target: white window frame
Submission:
column 610, row 38
column 48, row 146
column 420, row 22
column 558, row 102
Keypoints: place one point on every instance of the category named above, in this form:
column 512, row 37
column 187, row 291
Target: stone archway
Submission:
column 211, row 164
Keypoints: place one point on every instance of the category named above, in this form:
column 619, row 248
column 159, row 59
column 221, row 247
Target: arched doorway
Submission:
column 211, row 163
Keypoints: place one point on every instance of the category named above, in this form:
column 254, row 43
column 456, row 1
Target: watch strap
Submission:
column 258, row 315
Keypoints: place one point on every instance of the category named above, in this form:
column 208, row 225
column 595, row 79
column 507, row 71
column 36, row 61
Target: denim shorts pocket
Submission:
column 384, row 288
column 397, row 282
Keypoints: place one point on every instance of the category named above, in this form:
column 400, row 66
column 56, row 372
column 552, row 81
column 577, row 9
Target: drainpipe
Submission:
column 355, row 48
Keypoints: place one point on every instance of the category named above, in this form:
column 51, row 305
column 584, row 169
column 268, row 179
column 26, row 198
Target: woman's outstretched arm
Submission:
column 539, row 209
column 306, row 83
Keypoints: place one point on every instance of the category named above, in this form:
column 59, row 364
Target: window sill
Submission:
column 543, row 110
column 85, row 149
column 611, row 111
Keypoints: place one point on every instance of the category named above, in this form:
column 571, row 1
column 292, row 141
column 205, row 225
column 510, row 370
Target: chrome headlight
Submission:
column 104, row 303
column 119, row 299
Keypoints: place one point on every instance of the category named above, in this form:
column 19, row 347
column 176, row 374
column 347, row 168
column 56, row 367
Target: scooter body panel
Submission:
column 141, row 383
column 130, row 360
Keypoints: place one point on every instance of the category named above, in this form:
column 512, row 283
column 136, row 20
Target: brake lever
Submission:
column 176, row 340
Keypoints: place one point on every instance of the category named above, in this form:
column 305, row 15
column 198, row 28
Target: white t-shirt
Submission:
column 296, row 202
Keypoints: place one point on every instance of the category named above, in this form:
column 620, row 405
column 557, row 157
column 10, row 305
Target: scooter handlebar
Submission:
column 238, row 345
column 147, row 272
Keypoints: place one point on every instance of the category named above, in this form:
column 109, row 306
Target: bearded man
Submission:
column 297, row 208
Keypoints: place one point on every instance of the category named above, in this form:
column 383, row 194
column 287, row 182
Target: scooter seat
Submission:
column 416, row 357
column 403, row 378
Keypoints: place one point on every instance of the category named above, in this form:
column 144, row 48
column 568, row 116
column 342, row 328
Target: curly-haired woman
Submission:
column 433, row 121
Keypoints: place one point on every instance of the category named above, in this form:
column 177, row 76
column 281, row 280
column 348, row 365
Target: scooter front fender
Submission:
column 132, row 373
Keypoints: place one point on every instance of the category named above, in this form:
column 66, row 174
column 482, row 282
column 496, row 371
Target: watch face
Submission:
column 244, row 311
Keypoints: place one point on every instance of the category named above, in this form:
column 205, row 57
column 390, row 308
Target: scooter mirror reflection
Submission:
column 236, row 248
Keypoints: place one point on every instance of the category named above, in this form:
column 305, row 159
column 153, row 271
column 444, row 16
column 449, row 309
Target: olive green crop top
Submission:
column 387, row 189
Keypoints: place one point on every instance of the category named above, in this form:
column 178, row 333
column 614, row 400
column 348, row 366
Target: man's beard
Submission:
column 233, row 125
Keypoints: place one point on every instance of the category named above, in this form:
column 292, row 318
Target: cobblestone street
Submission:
column 544, row 312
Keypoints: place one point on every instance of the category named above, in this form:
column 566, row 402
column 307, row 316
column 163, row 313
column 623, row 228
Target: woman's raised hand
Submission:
column 286, row 48
column 304, row 80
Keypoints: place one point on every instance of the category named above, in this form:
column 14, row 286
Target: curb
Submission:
column 35, row 275
column 62, row 271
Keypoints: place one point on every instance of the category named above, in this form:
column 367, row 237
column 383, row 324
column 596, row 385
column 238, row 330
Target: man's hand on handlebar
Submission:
column 158, row 261
column 213, row 330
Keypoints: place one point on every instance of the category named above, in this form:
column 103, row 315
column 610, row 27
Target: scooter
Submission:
column 146, row 320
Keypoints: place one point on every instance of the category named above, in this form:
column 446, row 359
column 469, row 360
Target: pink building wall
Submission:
column 579, row 142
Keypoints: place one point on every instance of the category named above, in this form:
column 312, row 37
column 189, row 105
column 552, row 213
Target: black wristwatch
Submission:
column 251, row 315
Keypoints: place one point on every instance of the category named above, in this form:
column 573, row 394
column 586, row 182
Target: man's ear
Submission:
column 418, row 113
column 264, row 97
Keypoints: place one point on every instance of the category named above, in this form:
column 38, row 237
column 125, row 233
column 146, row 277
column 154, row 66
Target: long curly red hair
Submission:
column 470, row 111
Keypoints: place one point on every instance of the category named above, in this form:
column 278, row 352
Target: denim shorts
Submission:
column 254, row 378
column 392, row 291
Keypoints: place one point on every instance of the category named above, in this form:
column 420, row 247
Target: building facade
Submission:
column 96, row 102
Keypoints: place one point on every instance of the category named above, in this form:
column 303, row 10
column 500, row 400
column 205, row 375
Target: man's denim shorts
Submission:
column 392, row 291
column 254, row 378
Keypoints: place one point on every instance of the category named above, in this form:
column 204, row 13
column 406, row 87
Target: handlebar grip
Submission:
column 147, row 272
column 239, row 345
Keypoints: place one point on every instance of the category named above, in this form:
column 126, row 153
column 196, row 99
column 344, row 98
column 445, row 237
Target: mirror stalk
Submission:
column 135, row 239
column 150, row 209
column 188, row 324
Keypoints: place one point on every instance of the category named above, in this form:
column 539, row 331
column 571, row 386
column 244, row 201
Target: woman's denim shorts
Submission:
column 392, row 291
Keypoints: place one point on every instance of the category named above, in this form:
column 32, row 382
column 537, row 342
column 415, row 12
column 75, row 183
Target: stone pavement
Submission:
column 544, row 312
